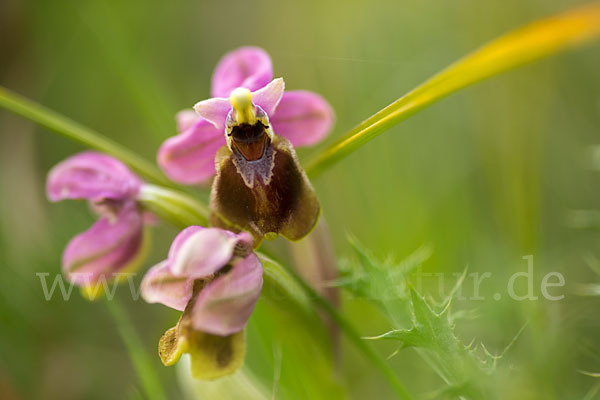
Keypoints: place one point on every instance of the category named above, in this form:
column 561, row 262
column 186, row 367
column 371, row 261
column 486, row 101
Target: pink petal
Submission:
column 181, row 238
column 91, row 175
column 206, row 251
column 109, row 246
column 189, row 157
column 161, row 286
column 215, row 111
column 185, row 119
column 303, row 117
column 248, row 67
column 224, row 306
column 269, row 96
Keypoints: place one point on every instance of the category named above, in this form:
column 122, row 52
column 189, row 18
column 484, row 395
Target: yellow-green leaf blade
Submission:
column 534, row 41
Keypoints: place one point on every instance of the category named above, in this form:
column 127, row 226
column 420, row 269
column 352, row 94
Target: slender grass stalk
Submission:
column 532, row 42
column 141, row 362
column 79, row 133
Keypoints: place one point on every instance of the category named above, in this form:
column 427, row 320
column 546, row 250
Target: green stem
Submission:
column 354, row 337
column 173, row 206
column 79, row 133
column 141, row 362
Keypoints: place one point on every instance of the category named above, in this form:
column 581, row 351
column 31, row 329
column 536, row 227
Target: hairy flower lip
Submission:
column 267, row 196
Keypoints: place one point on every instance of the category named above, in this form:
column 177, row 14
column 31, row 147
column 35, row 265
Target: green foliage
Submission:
column 433, row 334
column 383, row 283
column 431, row 330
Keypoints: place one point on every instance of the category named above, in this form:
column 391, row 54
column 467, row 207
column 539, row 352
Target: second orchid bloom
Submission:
column 245, row 134
column 215, row 279
column 116, row 243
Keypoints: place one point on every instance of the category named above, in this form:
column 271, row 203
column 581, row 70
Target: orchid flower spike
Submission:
column 115, row 244
column 215, row 279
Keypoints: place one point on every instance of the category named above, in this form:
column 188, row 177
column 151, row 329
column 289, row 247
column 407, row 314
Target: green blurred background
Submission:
column 485, row 177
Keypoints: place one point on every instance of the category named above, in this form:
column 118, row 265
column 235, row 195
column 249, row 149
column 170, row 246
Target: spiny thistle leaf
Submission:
column 375, row 280
column 382, row 283
column 433, row 336
column 408, row 338
column 430, row 330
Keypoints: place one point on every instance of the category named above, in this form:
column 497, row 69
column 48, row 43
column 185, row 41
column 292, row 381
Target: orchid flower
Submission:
column 215, row 279
column 115, row 243
column 302, row 117
column 247, row 138
column 260, row 186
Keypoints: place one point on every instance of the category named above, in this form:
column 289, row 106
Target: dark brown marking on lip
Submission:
column 250, row 140
column 286, row 204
